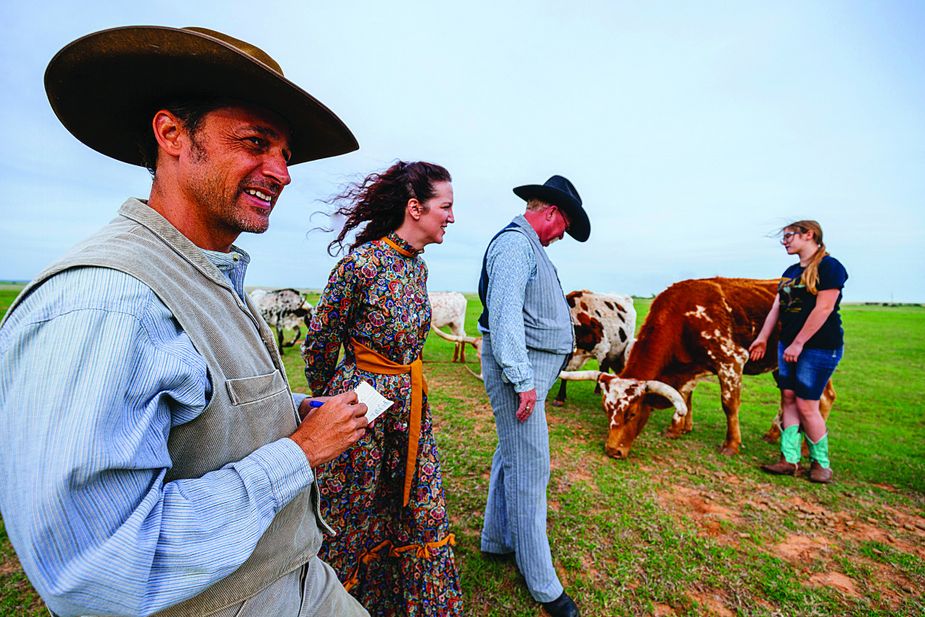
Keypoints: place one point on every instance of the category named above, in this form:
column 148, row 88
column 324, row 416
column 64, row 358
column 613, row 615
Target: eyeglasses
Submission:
column 787, row 236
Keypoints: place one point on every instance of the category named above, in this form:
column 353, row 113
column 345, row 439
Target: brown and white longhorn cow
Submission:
column 604, row 328
column 694, row 329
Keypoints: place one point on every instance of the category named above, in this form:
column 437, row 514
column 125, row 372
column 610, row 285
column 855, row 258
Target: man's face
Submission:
column 556, row 225
column 235, row 168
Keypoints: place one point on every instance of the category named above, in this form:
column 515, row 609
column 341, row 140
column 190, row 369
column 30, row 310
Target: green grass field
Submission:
column 678, row 529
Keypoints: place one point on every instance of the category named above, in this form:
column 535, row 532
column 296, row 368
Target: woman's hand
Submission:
column 793, row 351
column 757, row 348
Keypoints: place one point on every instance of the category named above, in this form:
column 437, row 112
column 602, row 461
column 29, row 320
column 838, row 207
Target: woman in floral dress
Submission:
column 384, row 496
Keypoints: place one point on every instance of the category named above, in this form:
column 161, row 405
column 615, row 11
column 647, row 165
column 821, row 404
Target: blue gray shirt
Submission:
column 525, row 303
column 94, row 368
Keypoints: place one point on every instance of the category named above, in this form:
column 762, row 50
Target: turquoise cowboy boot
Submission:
column 790, row 443
column 819, row 470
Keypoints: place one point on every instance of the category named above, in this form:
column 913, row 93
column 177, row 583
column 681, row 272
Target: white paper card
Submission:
column 376, row 403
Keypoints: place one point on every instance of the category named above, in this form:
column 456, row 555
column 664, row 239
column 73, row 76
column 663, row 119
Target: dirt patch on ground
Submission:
column 712, row 602
column 835, row 580
column 697, row 502
column 800, row 549
column 725, row 507
column 591, row 570
column 904, row 537
column 713, row 519
column 10, row 566
column 569, row 468
column 572, row 466
column 898, row 584
column 580, row 473
column 902, row 530
column 800, row 505
column 910, row 525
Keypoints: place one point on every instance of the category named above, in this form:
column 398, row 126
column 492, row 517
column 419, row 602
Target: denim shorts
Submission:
column 809, row 374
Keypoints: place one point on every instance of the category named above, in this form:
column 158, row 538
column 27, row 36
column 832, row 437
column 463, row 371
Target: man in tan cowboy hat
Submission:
column 155, row 458
column 526, row 339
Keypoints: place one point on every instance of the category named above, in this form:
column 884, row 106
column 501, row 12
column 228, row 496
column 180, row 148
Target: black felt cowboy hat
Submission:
column 106, row 87
column 559, row 192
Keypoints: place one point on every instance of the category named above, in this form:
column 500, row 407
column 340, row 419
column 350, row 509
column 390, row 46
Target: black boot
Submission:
column 498, row 557
column 563, row 606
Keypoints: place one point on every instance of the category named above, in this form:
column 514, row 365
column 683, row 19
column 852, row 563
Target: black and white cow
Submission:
column 283, row 309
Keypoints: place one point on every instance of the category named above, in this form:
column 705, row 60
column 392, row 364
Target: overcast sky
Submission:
column 692, row 130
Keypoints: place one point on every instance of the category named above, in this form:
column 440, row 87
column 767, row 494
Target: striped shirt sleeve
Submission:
column 94, row 372
column 510, row 265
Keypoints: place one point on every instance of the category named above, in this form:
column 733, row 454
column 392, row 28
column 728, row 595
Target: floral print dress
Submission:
column 395, row 559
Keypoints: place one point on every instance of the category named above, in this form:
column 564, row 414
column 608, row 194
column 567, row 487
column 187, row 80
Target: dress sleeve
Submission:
column 329, row 326
column 510, row 265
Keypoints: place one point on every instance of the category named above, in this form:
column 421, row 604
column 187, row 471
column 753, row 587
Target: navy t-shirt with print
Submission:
column 796, row 304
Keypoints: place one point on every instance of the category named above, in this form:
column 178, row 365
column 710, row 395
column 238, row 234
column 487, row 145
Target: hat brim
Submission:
column 106, row 87
column 579, row 224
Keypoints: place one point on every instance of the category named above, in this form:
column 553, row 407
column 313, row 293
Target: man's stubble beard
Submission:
column 210, row 194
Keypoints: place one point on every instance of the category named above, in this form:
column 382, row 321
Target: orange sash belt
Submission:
column 374, row 362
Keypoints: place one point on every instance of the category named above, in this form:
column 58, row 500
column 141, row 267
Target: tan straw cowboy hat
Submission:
column 105, row 88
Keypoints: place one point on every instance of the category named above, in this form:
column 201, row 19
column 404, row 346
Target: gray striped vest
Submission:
column 547, row 322
column 251, row 401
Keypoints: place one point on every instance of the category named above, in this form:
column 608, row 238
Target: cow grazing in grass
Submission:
column 694, row 329
column 283, row 309
column 605, row 325
column 448, row 309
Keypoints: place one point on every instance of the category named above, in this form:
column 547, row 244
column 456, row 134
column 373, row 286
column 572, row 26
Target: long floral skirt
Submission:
column 394, row 559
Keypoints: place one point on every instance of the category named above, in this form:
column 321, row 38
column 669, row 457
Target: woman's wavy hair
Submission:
column 378, row 201
column 810, row 277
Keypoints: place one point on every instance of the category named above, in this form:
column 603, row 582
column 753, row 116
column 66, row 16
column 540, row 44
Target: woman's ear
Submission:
column 415, row 209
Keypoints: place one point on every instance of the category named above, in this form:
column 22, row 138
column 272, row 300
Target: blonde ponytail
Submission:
column 810, row 276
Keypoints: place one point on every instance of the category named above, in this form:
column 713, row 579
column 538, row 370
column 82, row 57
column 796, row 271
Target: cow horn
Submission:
column 474, row 374
column 453, row 337
column 663, row 389
column 580, row 375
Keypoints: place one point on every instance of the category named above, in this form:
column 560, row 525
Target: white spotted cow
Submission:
column 283, row 309
column 605, row 325
column 694, row 329
column 448, row 309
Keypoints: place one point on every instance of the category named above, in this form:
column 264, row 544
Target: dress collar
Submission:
column 401, row 246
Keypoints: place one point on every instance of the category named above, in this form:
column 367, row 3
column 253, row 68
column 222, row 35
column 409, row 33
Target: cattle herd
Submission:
column 695, row 329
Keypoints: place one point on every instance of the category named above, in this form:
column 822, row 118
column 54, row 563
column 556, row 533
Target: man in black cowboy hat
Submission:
column 527, row 337
column 157, row 461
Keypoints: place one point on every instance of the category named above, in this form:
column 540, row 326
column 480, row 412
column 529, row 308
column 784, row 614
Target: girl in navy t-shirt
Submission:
column 810, row 347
